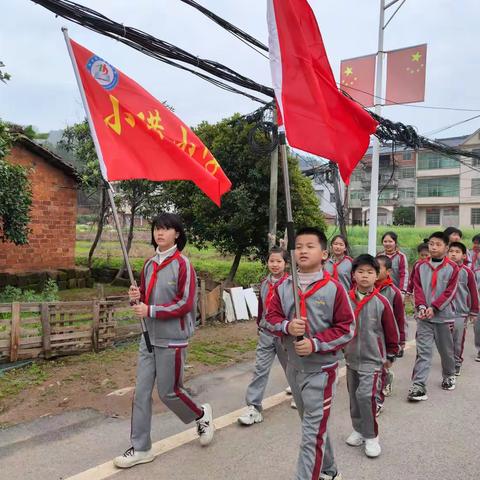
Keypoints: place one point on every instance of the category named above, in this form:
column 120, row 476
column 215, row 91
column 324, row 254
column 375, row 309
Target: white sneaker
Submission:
column 133, row 457
column 326, row 476
column 293, row 404
column 372, row 447
column 251, row 416
column 205, row 426
column 288, row 391
column 355, row 439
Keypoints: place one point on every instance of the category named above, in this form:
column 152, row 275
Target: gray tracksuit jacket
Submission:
column 267, row 288
column 437, row 293
column 330, row 321
column 170, row 290
column 341, row 271
column 377, row 335
column 465, row 301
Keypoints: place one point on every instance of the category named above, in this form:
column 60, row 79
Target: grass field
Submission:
column 217, row 266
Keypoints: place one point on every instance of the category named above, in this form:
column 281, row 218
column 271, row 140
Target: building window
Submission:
column 432, row 216
column 356, row 194
column 475, row 216
column 438, row 187
column 407, row 172
column 332, row 197
column 407, row 155
column 432, row 161
column 475, row 187
column 406, row 193
column 385, row 161
column 356, row 176
column 476, row 161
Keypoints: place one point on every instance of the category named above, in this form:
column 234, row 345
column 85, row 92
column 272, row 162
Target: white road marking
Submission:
column 107, row 469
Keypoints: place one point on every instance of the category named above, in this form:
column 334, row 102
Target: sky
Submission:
column 43, row 91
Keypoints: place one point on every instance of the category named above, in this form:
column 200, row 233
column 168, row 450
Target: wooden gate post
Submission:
column 15, row 332
column 46, row 330
column 95, row 324
column 203, row 302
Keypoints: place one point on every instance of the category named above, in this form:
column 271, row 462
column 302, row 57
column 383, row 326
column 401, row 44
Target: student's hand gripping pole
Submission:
column 290, row 225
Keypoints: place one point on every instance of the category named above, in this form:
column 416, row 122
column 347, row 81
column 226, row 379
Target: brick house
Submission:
column 53, row 215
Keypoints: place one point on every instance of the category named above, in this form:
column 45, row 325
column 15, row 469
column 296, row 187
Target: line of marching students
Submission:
column 353, row 309
column 350, row 309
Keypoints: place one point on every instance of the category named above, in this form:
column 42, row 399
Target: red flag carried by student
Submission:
column 406, row 75
column 140, row 138
column 317, row 117
column 357, row 78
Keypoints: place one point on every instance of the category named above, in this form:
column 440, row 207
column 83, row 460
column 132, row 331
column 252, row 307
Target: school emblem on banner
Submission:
column 104, row 73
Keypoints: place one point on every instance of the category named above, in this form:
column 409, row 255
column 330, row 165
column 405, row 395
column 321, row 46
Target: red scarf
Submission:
column 384, row 283
column 271, row 289
column 360, row 304
column 156, row 268
column 336, row 265
column 435, row 273
column 305, row 295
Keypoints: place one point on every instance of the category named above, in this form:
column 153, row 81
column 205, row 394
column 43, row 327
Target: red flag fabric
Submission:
column 317, row 117
column 139, row 137
column 406, row 75
column 357, row 78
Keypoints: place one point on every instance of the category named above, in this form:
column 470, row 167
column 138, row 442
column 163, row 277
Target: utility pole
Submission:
column 339, row 201
column 372, row 230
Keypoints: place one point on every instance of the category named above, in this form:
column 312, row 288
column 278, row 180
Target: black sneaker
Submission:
column 457, row 371
column 448, row 383
column 379, row 409
column 417, row 393
column 477, row 358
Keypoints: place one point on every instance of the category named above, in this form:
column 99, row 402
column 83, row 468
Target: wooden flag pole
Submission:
column 103, row 170
column 290, row 224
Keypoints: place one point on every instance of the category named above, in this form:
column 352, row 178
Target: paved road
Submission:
column 431, row 440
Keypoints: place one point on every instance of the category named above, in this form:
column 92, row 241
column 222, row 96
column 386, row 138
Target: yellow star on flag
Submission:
column 416, row 57
column 348, row 71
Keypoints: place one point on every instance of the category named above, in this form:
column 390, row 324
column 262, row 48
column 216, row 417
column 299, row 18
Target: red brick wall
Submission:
column 53, row 218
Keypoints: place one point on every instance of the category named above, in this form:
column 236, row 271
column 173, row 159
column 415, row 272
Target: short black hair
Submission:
column 387, row 261
column 313, row 231
column 423, row 246
column 390, row 234
column 342, row 238
column 365, row 259
column 449, row 230
column 459, row 245
column 279, row 250
column 170, row 220
column 476, row 238
column 440, row 236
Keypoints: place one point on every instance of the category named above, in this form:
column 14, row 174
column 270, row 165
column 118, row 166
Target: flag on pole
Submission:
column 406, row 69
column 317, row 117
column 138, row 136
column 357, row 78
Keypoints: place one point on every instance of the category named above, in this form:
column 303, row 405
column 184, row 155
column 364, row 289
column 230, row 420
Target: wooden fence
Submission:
column 45, row 330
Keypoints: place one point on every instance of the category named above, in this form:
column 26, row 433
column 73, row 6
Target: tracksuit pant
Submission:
column 268, row 347
column 362, row 390
column 476, row 330
column 459, row 333
column 165, row 365
column 313, row 394
column 427, row 334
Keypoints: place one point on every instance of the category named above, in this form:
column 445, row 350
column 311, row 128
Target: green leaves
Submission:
column 15, row 195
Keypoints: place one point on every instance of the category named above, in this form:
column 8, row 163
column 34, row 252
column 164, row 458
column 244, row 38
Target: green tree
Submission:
column 4, row 76
column 15, row 194
column 240, row 226
column 404, row 216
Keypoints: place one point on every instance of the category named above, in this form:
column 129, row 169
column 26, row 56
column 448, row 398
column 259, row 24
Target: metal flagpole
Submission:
column 372, row 227
column 102, row 168
column 290, row 225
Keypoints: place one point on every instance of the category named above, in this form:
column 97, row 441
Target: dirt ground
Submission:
column 97, row 380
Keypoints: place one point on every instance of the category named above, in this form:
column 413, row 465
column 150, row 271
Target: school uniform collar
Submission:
column 316, row 277
column 160, row 256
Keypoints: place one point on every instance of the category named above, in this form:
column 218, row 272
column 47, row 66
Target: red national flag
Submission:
column 357, row 78
column 406, row 75
column 139, row 137
column 317, row 117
